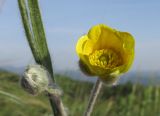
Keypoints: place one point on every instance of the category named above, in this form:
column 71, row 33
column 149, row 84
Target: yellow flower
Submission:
column 105, row 51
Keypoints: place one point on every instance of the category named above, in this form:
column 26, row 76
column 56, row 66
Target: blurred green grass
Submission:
column 121, row 100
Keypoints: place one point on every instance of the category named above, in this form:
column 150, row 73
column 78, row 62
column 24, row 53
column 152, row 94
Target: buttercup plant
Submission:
column 103, row 52
column 106, row 53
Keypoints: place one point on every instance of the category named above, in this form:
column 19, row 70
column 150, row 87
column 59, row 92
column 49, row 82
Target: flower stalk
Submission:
column 93, row 97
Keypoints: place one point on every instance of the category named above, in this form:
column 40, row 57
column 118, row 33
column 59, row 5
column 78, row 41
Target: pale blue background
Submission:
column 65, row 21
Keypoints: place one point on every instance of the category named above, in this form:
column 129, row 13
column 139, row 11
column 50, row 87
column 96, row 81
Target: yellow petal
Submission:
column 84, row 45
column 95, row 32
column 104, row 37
column 127, row 40
column 127, row 66
column 128, row 49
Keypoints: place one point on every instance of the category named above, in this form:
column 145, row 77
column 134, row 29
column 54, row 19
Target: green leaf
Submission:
column 34, row 30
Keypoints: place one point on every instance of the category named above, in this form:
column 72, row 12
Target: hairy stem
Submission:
column 92, row 100
column 34, row 30
column 60, row 111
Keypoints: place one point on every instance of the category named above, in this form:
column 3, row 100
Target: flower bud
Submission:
column 36, row 79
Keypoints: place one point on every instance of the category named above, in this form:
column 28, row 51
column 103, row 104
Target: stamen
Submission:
column 105, row 58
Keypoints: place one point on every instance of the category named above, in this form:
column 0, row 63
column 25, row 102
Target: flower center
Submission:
column 105, row 58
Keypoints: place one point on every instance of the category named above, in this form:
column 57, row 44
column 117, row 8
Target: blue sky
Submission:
column 66, row 21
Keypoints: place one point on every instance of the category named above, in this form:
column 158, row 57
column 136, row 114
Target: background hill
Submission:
column 121, row 100
column 142, row 77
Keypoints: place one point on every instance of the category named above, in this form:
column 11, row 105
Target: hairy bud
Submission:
column 36, row 79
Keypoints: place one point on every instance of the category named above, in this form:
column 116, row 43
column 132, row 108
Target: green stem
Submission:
column 34, row 30
column 93, row 97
